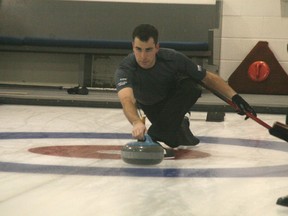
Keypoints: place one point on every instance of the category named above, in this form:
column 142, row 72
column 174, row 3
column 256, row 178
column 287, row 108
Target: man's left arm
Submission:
column 215, row 82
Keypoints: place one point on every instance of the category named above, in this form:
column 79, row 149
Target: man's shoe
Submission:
column 283, row 201
column 186, row 137
column 78, row 90
column 168, row 152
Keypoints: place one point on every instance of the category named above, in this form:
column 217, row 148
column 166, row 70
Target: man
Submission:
column 164, row 83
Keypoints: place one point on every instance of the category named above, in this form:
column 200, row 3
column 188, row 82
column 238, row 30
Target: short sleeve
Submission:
column 123, row 74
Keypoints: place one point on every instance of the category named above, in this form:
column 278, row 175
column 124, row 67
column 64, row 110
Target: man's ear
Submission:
column 157, row 46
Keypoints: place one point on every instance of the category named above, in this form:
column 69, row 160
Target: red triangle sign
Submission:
column 260, row 73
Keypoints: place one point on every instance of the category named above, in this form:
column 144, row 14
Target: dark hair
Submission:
column 144, row 32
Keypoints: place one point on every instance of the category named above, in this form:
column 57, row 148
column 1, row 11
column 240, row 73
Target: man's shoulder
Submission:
column 168, row 54
column 130, row 58
column 129, row 62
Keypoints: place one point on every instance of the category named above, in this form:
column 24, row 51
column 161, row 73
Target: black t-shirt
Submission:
column 155, row 84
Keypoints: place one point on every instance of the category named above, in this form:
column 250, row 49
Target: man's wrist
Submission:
column 236, row 97
column 136, row 121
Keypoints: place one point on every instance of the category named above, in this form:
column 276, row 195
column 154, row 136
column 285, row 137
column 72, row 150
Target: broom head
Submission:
column 279, row 130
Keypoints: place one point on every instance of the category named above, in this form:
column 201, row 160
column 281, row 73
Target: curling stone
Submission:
column 144, row 152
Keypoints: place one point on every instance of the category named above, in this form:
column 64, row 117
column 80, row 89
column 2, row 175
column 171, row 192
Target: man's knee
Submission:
column 190, row 88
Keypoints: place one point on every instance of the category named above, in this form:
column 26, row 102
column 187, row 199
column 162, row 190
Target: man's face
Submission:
column 145, row 52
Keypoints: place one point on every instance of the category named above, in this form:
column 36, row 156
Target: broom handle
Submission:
column 264, row 124
column 228, row 101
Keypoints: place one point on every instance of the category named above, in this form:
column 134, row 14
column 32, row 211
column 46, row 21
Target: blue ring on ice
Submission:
column 145, row 171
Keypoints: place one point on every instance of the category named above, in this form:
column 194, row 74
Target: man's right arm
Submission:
column 128, row 102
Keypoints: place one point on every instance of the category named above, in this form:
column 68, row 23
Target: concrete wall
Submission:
column 244, row 23
column 104, row 20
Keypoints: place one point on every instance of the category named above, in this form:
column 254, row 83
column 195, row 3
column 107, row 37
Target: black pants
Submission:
column 166, row 116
